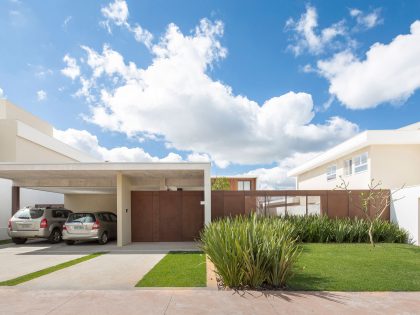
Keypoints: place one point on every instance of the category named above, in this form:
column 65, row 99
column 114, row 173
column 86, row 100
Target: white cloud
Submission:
column 366, row 21
column 198, row 157
column 276, row 177
column 41, row 95
column 87, row 142
column 67, row 21
column 2, row 95
column 175, row 100
column 117, row 13
column 389, row 73
column 308, row 37
column 72, row 70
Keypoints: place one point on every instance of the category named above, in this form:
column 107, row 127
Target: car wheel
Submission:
column 103, row 239
column 55, row 236
column 19, row 240
column 70, row 242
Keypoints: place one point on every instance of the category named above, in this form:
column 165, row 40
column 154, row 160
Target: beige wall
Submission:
column 317, row 178
column 90, row 202
column 11, row 111
column 393, row 165
column 396, row 165
column 123, row 210
column 30, row 152
column 7, row 141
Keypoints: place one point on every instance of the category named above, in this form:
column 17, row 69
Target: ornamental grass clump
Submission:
column 322, row 229
column 251, row 251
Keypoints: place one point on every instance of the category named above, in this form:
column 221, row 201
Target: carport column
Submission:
column 15, row 199
column 123, row 210
column 207, row 195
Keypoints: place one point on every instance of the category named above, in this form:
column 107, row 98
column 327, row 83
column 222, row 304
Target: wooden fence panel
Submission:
column 333, row 203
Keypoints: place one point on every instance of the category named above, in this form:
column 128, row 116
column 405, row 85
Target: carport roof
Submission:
column 95, row 174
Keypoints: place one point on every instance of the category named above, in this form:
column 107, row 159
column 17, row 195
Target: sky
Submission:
column 255, row 87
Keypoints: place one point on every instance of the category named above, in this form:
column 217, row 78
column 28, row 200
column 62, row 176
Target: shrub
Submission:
column 251, row 251
column 321, row 229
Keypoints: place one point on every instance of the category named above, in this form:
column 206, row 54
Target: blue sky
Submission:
column 253, row 86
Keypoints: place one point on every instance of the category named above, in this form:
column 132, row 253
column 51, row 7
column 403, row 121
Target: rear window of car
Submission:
column 29, row 213
column 60, row 213
column 81, row 217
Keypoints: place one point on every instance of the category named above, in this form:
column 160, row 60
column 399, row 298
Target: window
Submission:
column 244, row 185
column 360, row 163
column 331, row 172
column 113, row 217
column 81, row 218
column 28, row 213
column 348, row 167
column 58, row 214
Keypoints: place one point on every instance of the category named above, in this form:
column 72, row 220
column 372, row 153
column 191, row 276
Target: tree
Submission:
column 373, row 203
column 220, row 183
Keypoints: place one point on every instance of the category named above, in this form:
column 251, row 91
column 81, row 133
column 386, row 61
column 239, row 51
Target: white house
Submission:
column 389, row 156
column 153, row 201
column 25, row 138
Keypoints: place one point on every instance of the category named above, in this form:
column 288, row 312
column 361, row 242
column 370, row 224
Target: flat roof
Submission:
column 360, row 141
column 99, row 177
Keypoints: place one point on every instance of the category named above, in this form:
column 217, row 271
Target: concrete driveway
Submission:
column 120, row 268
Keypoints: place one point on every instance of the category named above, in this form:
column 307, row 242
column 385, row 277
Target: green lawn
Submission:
column 357, row 267
column 42, row 272
column 177, row 269
column 3, row 242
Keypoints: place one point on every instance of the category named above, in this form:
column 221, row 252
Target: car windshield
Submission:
column 29, row 213
column 81, row 218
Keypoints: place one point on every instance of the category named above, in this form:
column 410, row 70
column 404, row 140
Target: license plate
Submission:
column 25, row 225
column 78, row 227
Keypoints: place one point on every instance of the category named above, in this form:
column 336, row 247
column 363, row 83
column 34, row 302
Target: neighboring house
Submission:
column 389, row 156
column 25, row 138
column 239, row 183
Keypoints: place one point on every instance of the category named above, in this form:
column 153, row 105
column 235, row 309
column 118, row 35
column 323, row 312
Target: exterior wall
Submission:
column 396, row 165
column 30, row 152
column 13, row 112
column 123, row 210
column 233, row 181
column 90, row 202
column 30, row 197
column 405, row 211
column 7, row 140
column 5, row 206
column 317, row 178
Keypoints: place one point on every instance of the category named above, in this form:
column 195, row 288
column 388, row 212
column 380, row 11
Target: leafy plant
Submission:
column 251, row 251
column 220, row 183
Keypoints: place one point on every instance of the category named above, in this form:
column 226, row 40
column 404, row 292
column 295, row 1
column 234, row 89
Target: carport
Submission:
column 153, row 201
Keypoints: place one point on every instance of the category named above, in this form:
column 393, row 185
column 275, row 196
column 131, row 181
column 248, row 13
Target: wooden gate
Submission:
column 166, row 216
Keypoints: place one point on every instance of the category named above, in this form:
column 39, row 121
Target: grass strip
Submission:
column 4, row 242
column 177, row 269
column 43, row 272
column 357, row 267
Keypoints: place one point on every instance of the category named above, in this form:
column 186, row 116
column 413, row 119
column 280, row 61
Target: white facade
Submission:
column 389, row 156
column 25, row 138
column 405, row 211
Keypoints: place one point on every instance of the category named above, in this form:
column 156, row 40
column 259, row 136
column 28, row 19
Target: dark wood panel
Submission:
column 166, row 216
column 192, row 215
column 170, row 216
column 142, row 216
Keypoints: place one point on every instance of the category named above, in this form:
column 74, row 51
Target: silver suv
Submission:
column 32, row 222
column 98, row 226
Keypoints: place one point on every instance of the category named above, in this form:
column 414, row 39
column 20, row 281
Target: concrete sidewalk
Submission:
column 21, row 301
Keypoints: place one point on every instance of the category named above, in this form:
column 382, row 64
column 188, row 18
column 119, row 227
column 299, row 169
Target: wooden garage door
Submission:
column 166, row 216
